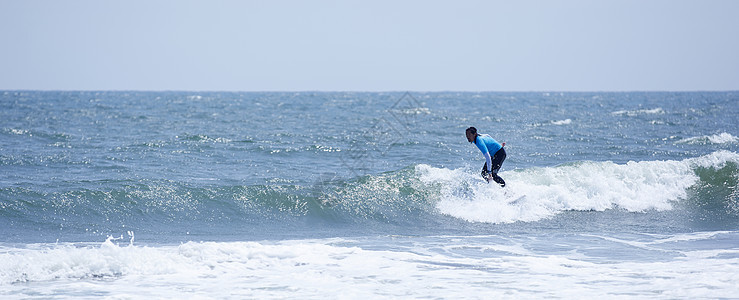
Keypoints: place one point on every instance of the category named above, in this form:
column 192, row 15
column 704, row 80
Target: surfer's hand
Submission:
column 503, row 145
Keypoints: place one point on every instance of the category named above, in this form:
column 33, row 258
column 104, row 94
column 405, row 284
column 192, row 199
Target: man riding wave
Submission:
column 488, row 146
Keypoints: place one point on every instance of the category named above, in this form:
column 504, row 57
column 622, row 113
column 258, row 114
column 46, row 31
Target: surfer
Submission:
column 487, row 146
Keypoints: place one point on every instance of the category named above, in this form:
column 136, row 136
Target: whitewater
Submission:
column 367, row 195
column 539, row 193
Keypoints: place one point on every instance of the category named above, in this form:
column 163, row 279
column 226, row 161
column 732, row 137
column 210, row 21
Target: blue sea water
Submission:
column 355, row 195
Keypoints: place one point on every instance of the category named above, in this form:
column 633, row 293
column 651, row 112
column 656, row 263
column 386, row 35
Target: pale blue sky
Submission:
column 614, row 45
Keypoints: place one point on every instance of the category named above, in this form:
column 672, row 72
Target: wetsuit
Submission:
column 488, row 145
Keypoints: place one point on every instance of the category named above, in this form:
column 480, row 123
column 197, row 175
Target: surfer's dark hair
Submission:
column 471, row 130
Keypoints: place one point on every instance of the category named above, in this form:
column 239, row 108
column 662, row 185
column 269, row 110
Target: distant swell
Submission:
column 721, row 138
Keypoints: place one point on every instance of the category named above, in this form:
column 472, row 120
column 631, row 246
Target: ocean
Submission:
column 314, row 195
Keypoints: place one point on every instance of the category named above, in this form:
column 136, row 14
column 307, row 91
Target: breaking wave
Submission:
column 412, row 196
column 537, row 193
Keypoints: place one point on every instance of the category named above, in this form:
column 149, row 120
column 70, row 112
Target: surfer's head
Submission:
column 471, row 134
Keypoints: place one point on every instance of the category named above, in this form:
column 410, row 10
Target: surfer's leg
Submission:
column 497, row 163
column 498, row 180
column 498, row 159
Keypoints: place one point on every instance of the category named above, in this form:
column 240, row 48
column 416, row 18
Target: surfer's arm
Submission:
column 488, row 161
column 484, row 149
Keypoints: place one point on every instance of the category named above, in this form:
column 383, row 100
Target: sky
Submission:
column 222, row 45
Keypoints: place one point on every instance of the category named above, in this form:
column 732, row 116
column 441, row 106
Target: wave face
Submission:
column 418, row 197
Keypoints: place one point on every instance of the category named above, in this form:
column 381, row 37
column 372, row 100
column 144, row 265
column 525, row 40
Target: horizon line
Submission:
column 366, row 91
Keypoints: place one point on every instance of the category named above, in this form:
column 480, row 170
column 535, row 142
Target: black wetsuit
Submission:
column 497, row 161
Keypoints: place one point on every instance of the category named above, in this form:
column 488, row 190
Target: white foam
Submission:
column 19, row 131
column 632, row 113
column 721, row 138
column 325, row 269
column 537, row 193
column 562, row 122
column 716, row 159
column 687, row 237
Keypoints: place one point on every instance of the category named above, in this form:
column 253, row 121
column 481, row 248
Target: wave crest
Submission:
column 721, row 138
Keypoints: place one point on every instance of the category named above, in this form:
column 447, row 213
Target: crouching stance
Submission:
column 488, row 146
